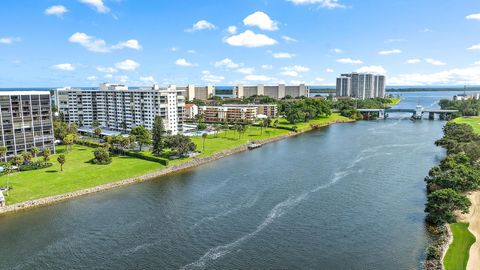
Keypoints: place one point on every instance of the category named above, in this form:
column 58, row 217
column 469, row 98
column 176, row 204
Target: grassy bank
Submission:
column 458, row 252
column 78, row 173
column 472, row 121
column 394, row 101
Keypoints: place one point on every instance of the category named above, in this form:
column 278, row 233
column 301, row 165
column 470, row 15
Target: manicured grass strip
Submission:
column 394, row 101
column 472, row 121
column 458, row 252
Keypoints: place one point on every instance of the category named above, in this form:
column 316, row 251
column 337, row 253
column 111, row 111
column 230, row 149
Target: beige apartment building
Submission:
column 231, row 114
column 276, row 91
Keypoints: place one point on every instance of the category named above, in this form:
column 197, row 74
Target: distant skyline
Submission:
column 47, row 43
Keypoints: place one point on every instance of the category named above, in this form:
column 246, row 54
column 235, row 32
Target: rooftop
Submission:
column 23, row 93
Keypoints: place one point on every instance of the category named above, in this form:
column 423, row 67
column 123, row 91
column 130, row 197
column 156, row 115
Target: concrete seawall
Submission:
column 194, row 162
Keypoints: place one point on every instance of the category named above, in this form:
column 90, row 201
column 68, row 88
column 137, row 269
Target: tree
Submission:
column 27, row 156
column 217, row 128
column 35, row 150
column 95, row 123
column 68, row 141
column 142, row 136
column 181, row 144
column 7, row 170
column 17, row 160
column 98, row 132
column 102, row 156
column 46, row 154
column 442, row 204
column 158, row 133
column 3, row 152
column 204, row 136
column 61, row 159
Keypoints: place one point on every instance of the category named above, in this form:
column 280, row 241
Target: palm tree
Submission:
column 7, row 169
column 204, row 136
column 61, row 159
column 3, row 152
column 46, row 154
column 35, row 150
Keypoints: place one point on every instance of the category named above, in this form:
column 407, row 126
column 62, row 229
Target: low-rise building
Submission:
column 276, row 91
column 269, row 110
column 191, row 111
column 192, row 92
column 26, row 121
column 231, row 114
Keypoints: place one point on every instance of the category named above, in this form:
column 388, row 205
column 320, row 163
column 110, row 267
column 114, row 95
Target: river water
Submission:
column 349, row 196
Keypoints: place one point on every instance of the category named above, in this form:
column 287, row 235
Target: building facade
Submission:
column 269, row 110
column 278, row 92
column 192, row 92
column 231, row 114
column 118, row 109
column 191, row 111
column 360, row 85
column 26, row 118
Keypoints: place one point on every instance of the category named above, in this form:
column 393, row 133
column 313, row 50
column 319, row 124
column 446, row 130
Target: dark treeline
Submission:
column 470, row 107
column 447, row 184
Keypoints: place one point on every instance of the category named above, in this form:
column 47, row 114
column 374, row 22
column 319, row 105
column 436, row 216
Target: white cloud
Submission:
column 258, row 78
column 191, row 51
column 289, row 39
column 413, row 61
column 246, row 70
column 127, row 65
column 290, row 73
column 458, row 76
column 9, row 40
column 392, row 40
column 474, row 47
column 64, row 67
column 267, row 66
column 477, row 63
column 426, row 30
column 329, row 70
column 201, row 25
column 97, row 4
column 322, row 3
column 122, row 79
column 183, row 63
column 232, row 29
column 283, row 55
column 319, row 79
column 108, row 76
column 227, row 63
column 147, row 79
column 92, row 78
column 349, row 61
column 250, row 39
column 208, row 77
column 107, row 69
column 261, row 20
column 296, row 68
column 56, row 10
column 389, row 52
column 372, row 69
column 94, row 44
column 337, row 50
column 473, row 17
column 173, row 49
column 434, row 62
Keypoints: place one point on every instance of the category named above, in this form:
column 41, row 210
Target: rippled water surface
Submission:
column 349, row 196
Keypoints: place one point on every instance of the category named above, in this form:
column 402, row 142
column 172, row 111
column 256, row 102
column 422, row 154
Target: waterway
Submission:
column 349, row 196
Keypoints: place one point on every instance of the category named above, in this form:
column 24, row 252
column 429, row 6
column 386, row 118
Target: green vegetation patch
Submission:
column 472, row 121
column 458, row 252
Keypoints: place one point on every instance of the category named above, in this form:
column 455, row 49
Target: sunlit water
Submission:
column 350, row 196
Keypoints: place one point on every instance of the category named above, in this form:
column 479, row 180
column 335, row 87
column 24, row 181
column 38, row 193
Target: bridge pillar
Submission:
column 431, row 116
column 443, row 116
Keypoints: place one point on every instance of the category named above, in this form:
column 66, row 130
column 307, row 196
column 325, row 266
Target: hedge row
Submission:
column 34, row 166
column 88, row 143
column 160, row 160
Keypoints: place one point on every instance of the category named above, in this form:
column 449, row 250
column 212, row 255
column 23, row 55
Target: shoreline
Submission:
column 473, row 218
column 194, row 162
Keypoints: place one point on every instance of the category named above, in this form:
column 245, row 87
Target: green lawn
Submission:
column 394, row 101
column 78, row 173
column 473, row 121
column 458, row 252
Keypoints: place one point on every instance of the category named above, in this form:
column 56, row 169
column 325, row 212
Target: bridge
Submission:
column 417, row 113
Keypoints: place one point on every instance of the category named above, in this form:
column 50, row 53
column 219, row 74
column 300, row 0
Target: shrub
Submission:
column 88, row 143
column 34, row 166
column 139, row 155
column 102, row 156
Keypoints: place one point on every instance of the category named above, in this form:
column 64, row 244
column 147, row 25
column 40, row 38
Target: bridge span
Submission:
column 417, row 113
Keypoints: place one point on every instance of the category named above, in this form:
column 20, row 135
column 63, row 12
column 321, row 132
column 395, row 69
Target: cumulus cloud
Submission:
column 127, row 65
column 294, row 71
column 290, row 73
column 322, row 3
column 473, row 17
column 107, row 69
column 261, row 20
column 267, row 66
column 258, row 78
column 191, row 51
column 94, row 44
column 201, row 25
column 232, row 29
column 389, row 52
column 458, row 76
column 434, row 62
column 474, row 47
column 92, row 78
column 392, row 40
column 372, row 69
column 209, row 77
column 98, row 5
column 329, row 70
column 227, row 63
column 9, row 40
column 64, row 67
column 413, row 61
column 246, row 70
column 184, row 63
column 349, row 61
column 337, row 50
column 283, row 55
column 289, row 39
column 319, row 79
column 250, row 39
column 147, row 79
column 58, row 10
column 122, row 79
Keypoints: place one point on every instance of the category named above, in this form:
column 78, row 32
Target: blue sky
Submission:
column 49, row 43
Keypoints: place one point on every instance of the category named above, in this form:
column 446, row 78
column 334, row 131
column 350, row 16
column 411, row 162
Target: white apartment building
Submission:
column 118, row 109
column 277, row 91
column 192, row 92
column 361, row 85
